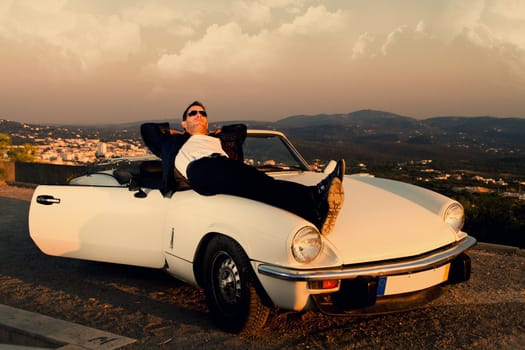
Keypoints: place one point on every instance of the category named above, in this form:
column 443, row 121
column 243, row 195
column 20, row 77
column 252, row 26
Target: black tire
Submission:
column 230, row 288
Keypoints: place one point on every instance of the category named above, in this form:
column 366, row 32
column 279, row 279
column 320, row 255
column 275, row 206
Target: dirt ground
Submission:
column 162, row 312
column 16, row 192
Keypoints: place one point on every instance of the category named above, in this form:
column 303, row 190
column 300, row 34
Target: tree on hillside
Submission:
column 25, row 153
column 5, row 142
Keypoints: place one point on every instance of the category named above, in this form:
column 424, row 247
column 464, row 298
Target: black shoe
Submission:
column 323, row 186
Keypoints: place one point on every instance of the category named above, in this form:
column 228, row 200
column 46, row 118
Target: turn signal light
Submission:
column 328, row 284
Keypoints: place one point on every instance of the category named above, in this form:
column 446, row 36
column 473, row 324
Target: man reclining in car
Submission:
column 212, row 163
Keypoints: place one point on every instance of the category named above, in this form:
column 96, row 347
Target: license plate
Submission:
column 411, row 282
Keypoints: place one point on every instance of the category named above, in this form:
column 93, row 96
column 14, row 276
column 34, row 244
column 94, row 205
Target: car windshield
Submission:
column 268, row 152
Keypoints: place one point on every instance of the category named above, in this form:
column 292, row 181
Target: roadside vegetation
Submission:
column 16, row 153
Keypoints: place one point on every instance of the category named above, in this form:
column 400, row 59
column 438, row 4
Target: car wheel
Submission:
column 230, row 287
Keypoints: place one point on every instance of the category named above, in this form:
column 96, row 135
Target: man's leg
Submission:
column 318, row 204
column 221, row 175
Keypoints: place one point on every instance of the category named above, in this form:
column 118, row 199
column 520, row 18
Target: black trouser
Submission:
column 221, row 175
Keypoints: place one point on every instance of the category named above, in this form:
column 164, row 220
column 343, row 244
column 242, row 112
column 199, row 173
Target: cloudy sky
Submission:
column 111, row 61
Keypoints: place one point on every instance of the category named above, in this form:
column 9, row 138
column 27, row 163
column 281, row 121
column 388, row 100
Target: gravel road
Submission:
column 488, row 312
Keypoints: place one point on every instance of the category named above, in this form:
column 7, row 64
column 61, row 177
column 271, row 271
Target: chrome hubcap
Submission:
column 229, row 281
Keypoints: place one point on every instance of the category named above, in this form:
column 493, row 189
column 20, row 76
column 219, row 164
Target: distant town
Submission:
column 74, row 146
column 74, row 151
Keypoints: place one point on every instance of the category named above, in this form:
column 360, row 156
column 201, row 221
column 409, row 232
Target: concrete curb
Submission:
column 25, row 328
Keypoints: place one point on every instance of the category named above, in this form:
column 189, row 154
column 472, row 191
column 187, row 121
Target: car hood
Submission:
column 384, row 219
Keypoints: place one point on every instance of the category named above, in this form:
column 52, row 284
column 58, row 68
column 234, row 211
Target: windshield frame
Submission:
column 294, row 153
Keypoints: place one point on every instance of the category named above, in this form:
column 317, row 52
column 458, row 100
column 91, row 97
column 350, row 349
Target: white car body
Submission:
column 391, row 239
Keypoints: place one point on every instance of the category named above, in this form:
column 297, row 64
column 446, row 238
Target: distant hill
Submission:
column 494, row 132
column 377, row 137
column 370, row 125
column 363, row 118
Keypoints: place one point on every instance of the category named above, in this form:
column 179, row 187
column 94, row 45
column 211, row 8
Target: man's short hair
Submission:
column 194, row 103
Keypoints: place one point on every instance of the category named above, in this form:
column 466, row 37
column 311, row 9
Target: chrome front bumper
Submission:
column 376, row 269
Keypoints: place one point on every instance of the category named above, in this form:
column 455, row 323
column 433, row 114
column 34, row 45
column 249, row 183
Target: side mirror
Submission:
column 140, row 193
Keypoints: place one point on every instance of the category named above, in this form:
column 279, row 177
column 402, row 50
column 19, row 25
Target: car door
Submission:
column 99, row 223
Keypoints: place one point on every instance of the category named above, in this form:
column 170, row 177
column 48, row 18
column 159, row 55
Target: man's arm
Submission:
column 155, row 135
column 232, row 138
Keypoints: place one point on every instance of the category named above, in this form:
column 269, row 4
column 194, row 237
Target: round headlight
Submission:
column 306, row 245
column 455, row 216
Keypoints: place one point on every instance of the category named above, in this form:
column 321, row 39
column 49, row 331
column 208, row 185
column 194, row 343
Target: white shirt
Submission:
column 197, row 146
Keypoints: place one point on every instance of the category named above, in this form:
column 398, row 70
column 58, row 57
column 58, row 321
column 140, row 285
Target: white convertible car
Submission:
column 395, row 246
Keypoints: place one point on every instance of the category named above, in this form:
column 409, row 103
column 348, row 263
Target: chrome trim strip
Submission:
column 374, row 269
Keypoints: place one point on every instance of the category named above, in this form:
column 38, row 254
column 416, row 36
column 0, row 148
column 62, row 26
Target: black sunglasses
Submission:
column 194, row 113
